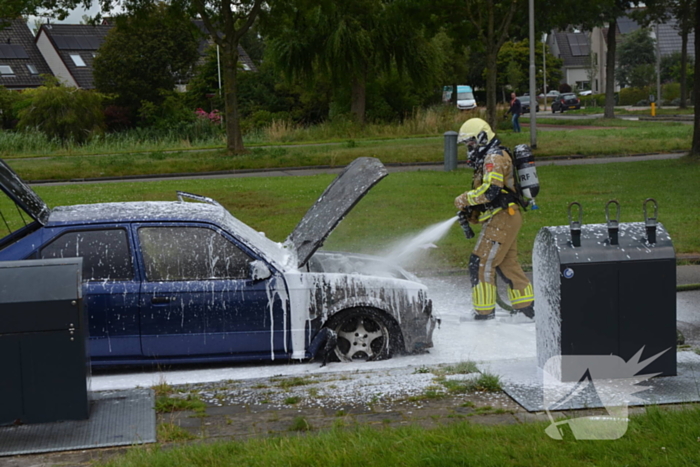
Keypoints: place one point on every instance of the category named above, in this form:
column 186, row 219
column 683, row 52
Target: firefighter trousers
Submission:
column 496, row 252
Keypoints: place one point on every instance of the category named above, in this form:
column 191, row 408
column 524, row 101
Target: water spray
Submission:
column 422, row 241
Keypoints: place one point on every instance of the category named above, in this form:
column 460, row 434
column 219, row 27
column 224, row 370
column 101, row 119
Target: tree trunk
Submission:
column 610, row 70
column 684, row 64
column 234, row 139
column 491, row 88
column 358, row 99
column 695, row 148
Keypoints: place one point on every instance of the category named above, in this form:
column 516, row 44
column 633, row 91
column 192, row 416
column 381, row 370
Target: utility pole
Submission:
column 533, row 87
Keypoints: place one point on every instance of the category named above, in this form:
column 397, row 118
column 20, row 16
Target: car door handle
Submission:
column 162, row 299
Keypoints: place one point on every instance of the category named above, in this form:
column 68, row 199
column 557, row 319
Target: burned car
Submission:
column 185, row 281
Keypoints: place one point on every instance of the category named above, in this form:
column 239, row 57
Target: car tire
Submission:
column 363, row 334
column 553, row 110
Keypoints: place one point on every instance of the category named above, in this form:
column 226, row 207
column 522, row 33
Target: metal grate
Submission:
column 117, row 418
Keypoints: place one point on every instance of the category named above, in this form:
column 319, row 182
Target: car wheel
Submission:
column 363, row 334
column 553, row 110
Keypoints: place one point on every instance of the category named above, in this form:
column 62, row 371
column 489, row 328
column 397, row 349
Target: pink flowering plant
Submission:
column 214, row 116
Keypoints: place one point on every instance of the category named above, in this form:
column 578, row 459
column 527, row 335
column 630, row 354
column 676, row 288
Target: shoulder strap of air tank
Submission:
column 518, row 193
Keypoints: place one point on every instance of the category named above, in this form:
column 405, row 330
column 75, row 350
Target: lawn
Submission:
column 657, row 438
column 617, row 137
column 404, row 204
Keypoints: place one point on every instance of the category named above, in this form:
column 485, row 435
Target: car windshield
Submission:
column 524, row 99
column 568, row 96
column 463, row 96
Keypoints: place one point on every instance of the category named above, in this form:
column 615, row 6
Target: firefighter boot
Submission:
column 528, row 311
column 480, row 317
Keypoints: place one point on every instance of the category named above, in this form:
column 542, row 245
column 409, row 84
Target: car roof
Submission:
column 134, row 212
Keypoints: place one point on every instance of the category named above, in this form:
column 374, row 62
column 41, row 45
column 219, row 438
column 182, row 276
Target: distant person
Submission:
column 515, row 109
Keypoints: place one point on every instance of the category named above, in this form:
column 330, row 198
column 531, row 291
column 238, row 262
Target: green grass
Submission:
column 167, row 404
column 617, row 137
column 171, row 432
column 296, row 381
column 659, row 438
column 404, row 204
column 300, row 424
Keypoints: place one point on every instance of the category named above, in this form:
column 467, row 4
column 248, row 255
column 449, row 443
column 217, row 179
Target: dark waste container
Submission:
column 44, row 366
column 606, row 289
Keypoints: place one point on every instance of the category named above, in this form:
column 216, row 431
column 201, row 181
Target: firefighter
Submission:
column 493, row 203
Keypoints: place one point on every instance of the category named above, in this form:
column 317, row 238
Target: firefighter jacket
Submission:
column 492, row 187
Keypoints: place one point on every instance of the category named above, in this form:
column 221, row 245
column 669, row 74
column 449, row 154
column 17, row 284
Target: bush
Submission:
column 117, row 118
column 630, row 96
column 677, row 102
column 594, row 100
column 172, row 111
column 68, row 114
column 642, row 103
column 671, row 91
column 8, row 113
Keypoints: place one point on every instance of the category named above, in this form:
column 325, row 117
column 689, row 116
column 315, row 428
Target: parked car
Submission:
column 185, row 281
column 552, row 94
column 525, row 104
column 567, row 101
column 587, row 92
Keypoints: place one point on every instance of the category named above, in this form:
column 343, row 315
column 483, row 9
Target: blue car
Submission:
column 185, row 281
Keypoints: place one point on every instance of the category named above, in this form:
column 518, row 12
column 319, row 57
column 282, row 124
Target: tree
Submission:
column 491, row 21
column 635, row 52
column 517, row 54
column 349, row 42
column 695, row 148
column 683, row 13
column 226, row 22
column 145, row 55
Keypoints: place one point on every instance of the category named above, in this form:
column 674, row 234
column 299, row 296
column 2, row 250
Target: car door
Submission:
column 198, row 297
column 110, row 285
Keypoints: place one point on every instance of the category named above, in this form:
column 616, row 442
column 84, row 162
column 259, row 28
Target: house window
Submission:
column 78, row 60
column 6, row 70
column 32, row 69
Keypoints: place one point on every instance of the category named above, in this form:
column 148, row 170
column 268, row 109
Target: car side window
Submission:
column 190, row 253
column 106, row 254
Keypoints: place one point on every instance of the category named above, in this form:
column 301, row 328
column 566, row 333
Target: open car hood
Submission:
column 22, row 195
column 335, row 202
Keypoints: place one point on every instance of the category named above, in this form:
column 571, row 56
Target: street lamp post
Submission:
column 544, row 68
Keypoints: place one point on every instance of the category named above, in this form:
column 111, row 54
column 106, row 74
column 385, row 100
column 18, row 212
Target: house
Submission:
column 584, row 53
column 670, row 40
column 69, row 50
column 21, row 63
column 574, row 49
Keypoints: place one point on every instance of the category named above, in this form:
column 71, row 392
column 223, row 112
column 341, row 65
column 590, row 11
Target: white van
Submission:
column 465, row 97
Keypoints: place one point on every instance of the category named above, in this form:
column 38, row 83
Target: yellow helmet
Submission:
column 475, row 132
